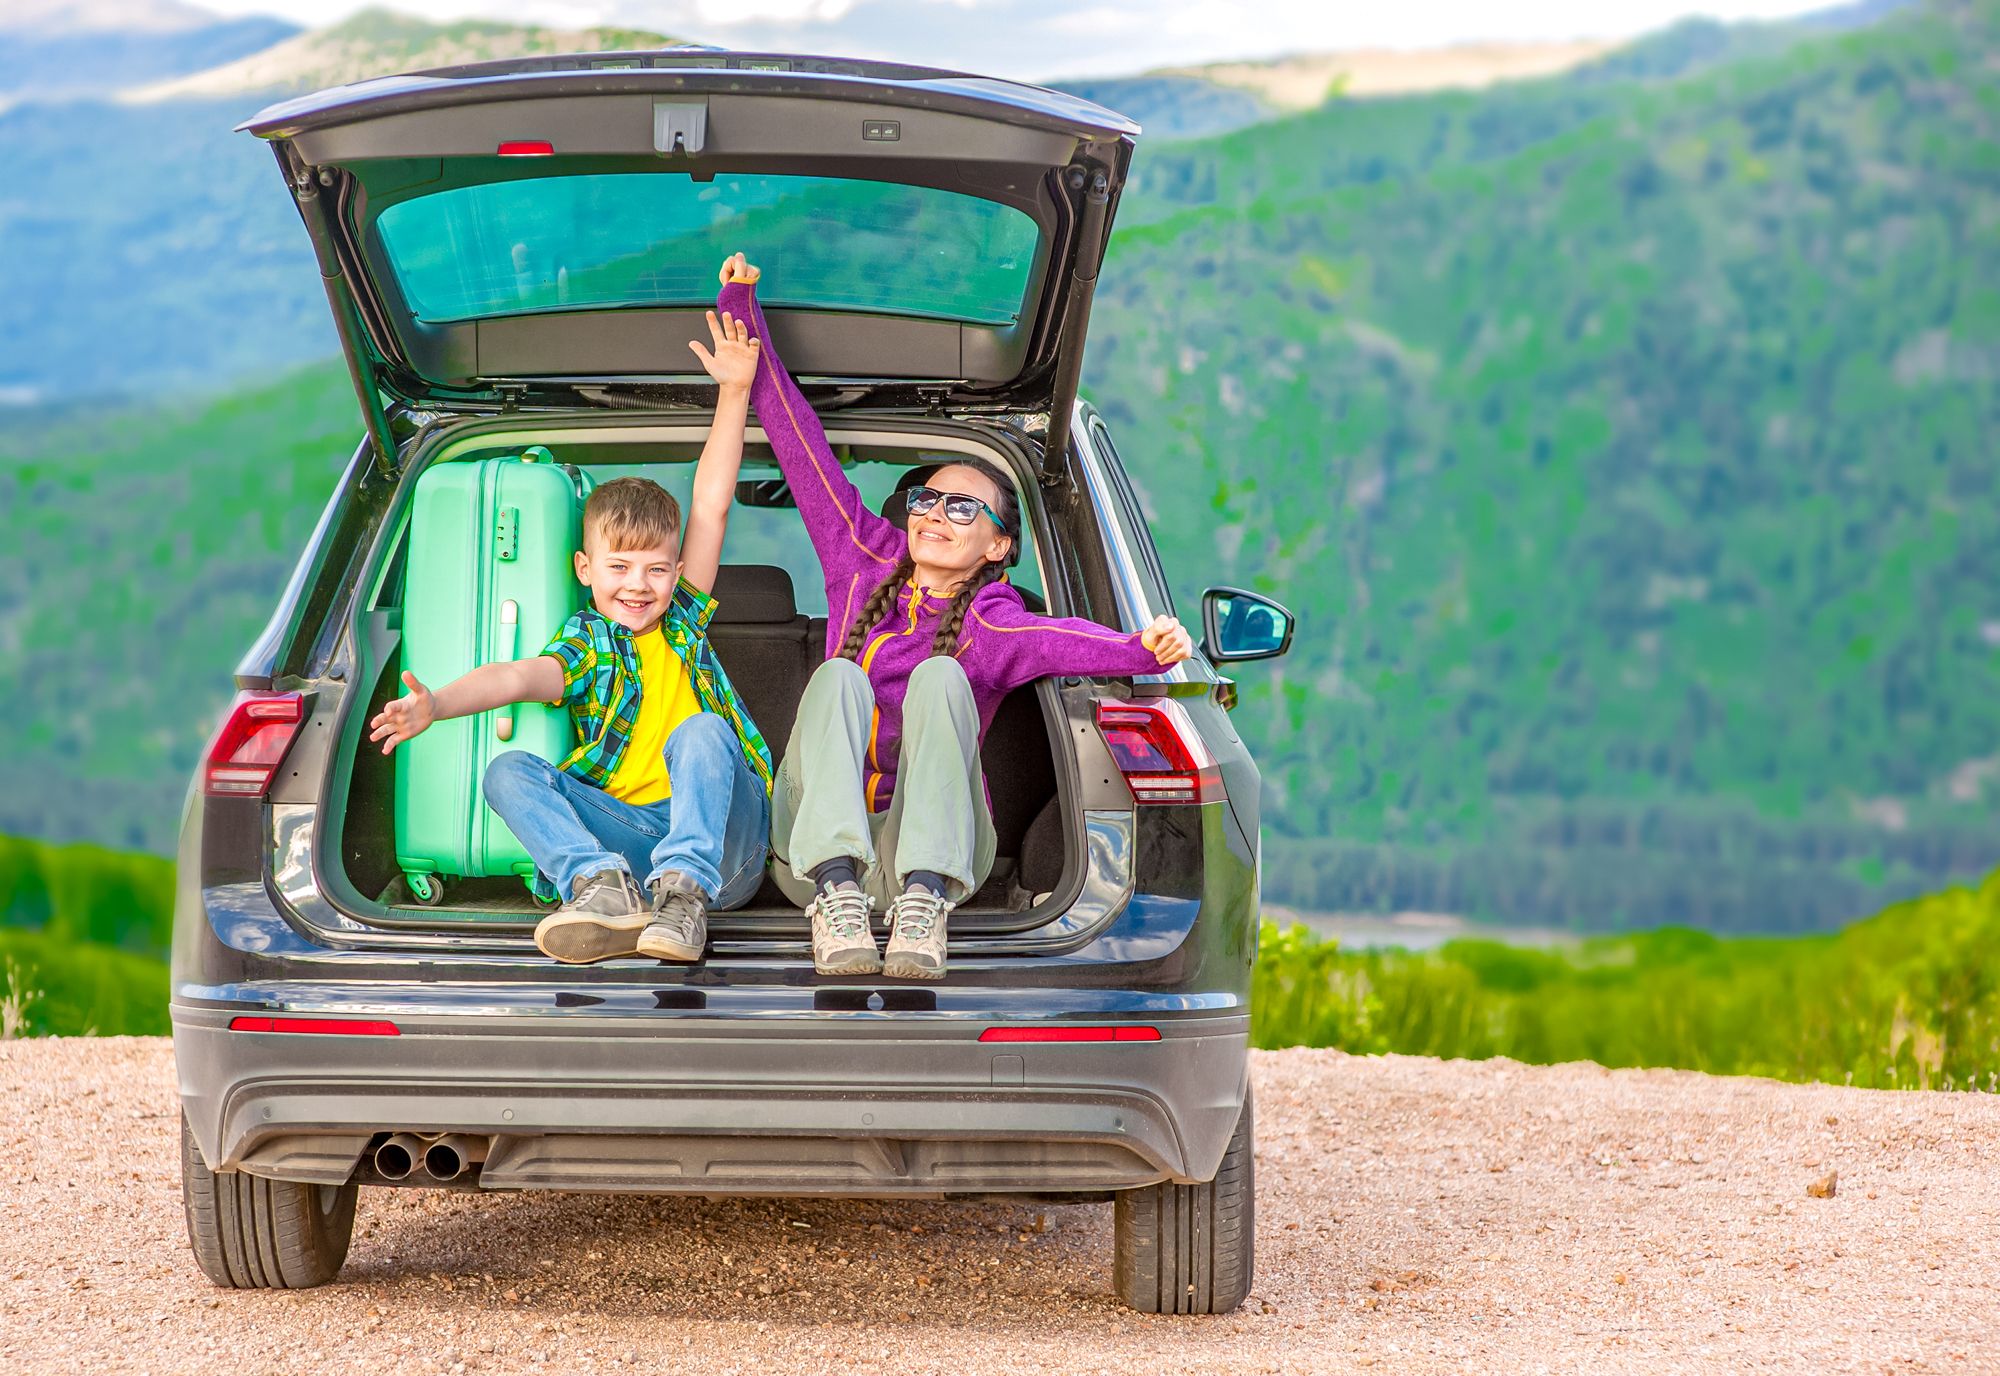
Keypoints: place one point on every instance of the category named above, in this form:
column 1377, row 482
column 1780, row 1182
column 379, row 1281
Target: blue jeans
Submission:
column 714, row 828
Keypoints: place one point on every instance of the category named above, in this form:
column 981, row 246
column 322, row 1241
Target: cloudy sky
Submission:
column 1026, row 39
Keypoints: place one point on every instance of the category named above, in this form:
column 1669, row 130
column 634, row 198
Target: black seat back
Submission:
column 764, row 644
column 1020, row 774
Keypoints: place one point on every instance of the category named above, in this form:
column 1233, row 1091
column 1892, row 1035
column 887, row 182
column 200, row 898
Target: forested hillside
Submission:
column 145, row 550
column 1627, row 449
column 1622, row 440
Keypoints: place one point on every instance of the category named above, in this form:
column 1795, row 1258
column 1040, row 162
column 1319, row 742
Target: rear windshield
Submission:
column 657, row 238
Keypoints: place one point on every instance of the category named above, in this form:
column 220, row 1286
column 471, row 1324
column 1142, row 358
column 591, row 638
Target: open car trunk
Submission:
column 547, row 229
column 769, row 630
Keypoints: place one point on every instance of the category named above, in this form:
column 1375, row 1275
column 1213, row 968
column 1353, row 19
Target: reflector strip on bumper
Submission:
column 353, row 1027
column 1070, row 1034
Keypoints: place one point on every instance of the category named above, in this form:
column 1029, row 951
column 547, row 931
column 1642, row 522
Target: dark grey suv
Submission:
column 516, row 254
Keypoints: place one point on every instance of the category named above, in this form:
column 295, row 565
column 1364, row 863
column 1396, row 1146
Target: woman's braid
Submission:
column 953, row 622
column 875, row 608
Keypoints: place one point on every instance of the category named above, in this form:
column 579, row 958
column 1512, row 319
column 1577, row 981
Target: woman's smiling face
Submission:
column 945, row 552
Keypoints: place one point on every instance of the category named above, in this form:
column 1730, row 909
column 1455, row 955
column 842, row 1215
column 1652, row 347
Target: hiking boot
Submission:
column 679, row 928
column 916, row 935
column 842, row 941
column 602, row 920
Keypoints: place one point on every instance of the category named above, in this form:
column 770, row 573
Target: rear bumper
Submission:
column 792, row 1106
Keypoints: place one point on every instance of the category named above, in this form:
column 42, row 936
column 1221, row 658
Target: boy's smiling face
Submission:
column 632, row 587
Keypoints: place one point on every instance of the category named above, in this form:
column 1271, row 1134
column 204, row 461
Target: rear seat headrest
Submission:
column 753, row 593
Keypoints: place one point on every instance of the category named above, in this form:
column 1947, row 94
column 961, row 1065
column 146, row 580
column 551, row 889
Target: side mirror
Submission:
column 1238, row 625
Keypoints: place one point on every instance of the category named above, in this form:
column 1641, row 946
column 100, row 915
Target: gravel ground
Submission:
column 1414, row 1216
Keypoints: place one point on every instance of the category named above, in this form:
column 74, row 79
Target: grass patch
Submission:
column 54, row 987
column 1909, row 998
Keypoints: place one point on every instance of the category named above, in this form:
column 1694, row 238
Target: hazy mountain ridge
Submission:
column 374, row 42
column 67, row 62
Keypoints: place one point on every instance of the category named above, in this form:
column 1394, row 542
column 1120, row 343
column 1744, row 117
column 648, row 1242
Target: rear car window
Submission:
column 656, row 238
column 775, row 535
column 1126, row 513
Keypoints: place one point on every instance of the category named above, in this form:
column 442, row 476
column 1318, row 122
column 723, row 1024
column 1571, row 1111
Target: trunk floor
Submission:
column 509, row 896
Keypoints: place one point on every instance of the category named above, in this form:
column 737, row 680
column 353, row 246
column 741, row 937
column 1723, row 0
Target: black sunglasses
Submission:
column 960, row 508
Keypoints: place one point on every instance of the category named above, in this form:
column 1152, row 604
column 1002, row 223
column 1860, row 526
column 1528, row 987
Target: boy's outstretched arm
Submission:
column 539, row 679
column 733, row 365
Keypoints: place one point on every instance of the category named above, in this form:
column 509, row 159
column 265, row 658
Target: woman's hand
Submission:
column 1168, row 640
column 734, row 362
column 736, row 268
column 407, row 716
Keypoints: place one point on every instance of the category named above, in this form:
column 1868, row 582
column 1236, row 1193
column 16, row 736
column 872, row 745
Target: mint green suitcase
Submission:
column 490, row 577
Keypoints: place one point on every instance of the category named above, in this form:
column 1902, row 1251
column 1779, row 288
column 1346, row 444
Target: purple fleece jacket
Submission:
column 1003, row 646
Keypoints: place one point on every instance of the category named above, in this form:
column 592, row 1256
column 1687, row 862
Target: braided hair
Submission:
column 952, row 625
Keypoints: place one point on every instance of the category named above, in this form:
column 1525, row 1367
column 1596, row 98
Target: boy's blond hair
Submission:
column 632, row 513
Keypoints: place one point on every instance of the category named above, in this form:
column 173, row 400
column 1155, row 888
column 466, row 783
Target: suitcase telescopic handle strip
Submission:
column 510, row 648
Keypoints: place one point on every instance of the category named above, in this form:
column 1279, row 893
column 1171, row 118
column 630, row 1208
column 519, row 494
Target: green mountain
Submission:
column 144, row 551
column 1621, row 439
column 1625, row 447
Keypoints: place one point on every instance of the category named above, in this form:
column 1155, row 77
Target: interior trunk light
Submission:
column 1159, row 752
column 1070, row 1034
column 527, row 148
column 352, row 1027
column 252, row 743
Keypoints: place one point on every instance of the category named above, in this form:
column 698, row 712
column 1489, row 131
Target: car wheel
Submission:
column 1190, row 1249
column 250, row 1233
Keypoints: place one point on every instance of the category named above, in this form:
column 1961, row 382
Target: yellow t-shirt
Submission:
column 666, row 699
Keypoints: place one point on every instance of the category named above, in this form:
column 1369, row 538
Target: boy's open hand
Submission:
column 736, row 268
column 734, row 362
column 407, row 716
column 1168, row 640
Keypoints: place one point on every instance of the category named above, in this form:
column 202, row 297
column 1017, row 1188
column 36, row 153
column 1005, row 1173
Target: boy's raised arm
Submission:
column 733, row 365
column 537, row 679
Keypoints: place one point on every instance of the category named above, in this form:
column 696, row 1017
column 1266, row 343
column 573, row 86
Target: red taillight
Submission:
column 1159, row 752
column 252, row 744
column 1070, row 1034
column 351, row 1027
column 527, row 148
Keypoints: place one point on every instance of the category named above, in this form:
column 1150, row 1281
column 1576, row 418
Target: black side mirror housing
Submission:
column 1238, row 625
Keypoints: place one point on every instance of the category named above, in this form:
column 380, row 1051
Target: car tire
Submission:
column 250, row 1233
column 1191, row 1249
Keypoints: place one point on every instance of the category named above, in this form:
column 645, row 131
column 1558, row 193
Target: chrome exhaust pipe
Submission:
column 449, row 1156
column 398, row 1156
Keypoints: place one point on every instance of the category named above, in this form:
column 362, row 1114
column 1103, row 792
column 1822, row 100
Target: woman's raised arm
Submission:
column 845, row 533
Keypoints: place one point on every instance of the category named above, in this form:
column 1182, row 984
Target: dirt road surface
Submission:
column 1414, row 1216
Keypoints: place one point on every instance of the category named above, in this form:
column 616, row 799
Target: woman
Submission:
column 880, row 799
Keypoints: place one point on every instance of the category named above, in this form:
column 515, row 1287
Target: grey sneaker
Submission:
column 679, row 928
column 916, row 935
column 842, row 941
column 602, row 920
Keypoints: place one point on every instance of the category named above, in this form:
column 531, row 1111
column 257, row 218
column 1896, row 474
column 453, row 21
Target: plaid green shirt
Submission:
column 601, row 684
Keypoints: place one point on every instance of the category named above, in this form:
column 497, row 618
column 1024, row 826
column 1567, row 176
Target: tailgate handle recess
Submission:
column 679, row 126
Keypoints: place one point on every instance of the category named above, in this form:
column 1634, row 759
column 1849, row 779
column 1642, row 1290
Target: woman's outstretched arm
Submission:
column 1017, row 646
column 847, row 536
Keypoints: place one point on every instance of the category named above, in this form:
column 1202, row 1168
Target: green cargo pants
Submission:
column 938, row 818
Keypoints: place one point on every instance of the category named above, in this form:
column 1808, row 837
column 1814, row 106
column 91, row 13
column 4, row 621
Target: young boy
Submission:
column 669, row 780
